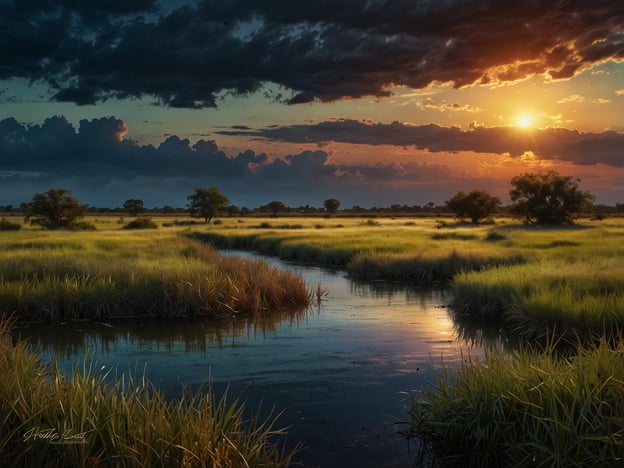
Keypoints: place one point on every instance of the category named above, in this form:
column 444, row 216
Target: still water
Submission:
column 342, row 373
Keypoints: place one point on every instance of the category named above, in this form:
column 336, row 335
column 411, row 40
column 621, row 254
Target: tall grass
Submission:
column 432, row 266
column 48, row 419
column 539, row 299
column 118, row 274
column 532, row 408
column 385, row 250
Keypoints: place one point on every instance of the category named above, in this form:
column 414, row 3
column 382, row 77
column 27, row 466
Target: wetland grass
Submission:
column 574, row 285
column 433, row 266
column 49, row 419
column 526, row 406
column 533, row 408
column 535, row 279
column 116, row 274
column 381, row 249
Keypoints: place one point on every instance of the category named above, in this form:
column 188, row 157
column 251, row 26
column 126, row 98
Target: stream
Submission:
column 342, row 373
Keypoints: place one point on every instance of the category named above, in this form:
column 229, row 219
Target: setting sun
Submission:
column 524, row 121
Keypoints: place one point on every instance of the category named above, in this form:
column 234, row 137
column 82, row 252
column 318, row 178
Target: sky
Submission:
column 371, row 102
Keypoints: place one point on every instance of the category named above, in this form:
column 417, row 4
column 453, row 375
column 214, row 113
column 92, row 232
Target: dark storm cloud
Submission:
column 98, row 147
column 549, row 143
column 325, row 50
column 95, row 156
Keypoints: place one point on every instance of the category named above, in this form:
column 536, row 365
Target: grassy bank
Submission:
column 390, row 249
column 531, row 280
column 49, row 419
column 60, row 276
column 534, row 408
column 573, row 287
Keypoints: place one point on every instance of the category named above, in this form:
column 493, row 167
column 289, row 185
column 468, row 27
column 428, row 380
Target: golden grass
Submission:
column 534, row 279
column 49, row 419
column 56, row 276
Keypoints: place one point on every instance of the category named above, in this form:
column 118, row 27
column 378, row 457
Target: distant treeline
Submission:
column 232, row 210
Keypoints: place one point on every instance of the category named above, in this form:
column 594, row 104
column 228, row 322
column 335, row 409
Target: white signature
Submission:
column 54, row 436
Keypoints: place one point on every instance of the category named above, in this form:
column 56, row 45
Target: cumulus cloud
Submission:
column 109, row 168
column 577, row 98
column 549, row 143
column 446, row 106
column 187, row 56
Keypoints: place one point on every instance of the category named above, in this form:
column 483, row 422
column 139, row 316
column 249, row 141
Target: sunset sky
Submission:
column 371, row 102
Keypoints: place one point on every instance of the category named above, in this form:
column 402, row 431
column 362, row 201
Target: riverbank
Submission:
column 534, row 281
column 535, row 407
column 540, row 284
column 57, row 276
column 551, row 288
column 49, row 418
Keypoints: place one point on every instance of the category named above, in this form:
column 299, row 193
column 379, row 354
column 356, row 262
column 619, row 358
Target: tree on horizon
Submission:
column 54, row 209
column 207, row 203
column 477, row 205
column 275, row 206
column 331, row 205
column 548, row 198
column 134, row 206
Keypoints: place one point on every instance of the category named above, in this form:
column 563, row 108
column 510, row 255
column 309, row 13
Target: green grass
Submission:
column 573, row 286
column 533, row 279
column 127, row 423
column 387, row 242
column 532, row 408
column 60, row 276
column 529, row 408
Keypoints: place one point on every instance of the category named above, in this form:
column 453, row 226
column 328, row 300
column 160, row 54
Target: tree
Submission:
column 331, row 205
column 233, row 210
column 207, row 203
column 476, row 205
column 134, row 206
column 54, row 209
column 276, row 206
column 548, row 198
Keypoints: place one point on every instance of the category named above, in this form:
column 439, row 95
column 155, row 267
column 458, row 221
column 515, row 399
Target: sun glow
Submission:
column 524, row 121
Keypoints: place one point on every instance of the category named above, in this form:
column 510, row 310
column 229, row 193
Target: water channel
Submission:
column 342, row 373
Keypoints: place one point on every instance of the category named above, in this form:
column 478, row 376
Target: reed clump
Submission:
column 533, row 408
column 426, row 267
column 374, row 250
column 119, row 274
column 50, row 419
column 538, row 299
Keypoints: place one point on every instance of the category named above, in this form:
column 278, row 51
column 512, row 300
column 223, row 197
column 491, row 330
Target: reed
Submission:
column 532, row 408
column 49, row 419
column 69, row 276
column 538, row 299
column 427, row 267
column 385, row 249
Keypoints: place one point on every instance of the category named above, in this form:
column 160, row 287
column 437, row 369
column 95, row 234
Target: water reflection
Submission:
column 342, row 373
column 71, row 340
column 477, row 332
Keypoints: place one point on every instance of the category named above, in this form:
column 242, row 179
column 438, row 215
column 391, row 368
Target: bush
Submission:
column 82, row 226
column 370, row 222
column 141, row 223
column 9, row 226
column 495, row 236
